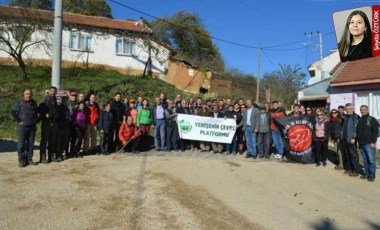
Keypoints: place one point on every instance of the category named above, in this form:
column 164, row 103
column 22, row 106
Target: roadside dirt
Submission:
column 188, row 190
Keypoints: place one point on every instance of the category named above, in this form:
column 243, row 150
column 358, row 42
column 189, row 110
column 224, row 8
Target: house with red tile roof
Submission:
column 357, row 82
column 90, row 41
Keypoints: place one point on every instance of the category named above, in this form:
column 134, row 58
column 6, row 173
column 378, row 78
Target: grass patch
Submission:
column 105, row 83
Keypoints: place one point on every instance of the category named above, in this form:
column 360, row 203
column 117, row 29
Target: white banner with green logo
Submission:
column 209, row 129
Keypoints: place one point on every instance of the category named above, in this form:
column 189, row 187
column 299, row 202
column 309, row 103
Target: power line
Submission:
column 269, row 48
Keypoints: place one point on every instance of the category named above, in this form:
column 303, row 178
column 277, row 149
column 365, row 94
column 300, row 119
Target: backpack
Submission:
column 369, row 124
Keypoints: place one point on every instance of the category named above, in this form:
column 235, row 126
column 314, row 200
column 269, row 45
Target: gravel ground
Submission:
column 191, row 190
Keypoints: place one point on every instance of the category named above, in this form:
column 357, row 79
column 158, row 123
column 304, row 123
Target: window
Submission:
column 79, row 41
column 372, row 100
column 125, row 46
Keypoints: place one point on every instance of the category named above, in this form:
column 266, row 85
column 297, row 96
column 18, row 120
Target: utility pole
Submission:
column 320, row 44
column 258, row 73
column 57, row 45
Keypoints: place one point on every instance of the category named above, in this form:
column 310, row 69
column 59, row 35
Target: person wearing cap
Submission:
column 132, row 111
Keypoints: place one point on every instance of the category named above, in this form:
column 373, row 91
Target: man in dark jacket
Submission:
column 367, row 133
column 349, row 137
column 172, row 135
column 49, row 115
column 118, row 110
column 64, row 123
column 216, row 113
column 183, row 109
column 25, row 114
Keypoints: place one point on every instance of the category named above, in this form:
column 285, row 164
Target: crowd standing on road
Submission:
column 70, row 129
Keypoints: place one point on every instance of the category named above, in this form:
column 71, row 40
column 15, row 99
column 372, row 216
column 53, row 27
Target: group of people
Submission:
column 70, row 128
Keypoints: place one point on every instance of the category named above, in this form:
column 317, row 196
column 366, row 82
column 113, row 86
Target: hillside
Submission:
column 103, row 82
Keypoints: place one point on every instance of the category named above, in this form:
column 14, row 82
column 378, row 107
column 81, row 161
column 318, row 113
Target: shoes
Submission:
column 254, row 156
column 371, row 178
column 278, row 156
column 364, row 177
column 21, row 165
column 318, row 164
column 338, row 167
column 261, row 155
column 248, row 156
column 324, row 163
column 241, row 152
column 354, row 174
column 347, row 172
column 267, row 156
column 31, row 162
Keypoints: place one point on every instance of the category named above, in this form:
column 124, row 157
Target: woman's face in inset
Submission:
column 357, row 25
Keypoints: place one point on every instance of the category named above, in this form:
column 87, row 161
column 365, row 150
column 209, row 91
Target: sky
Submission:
column 278, row 26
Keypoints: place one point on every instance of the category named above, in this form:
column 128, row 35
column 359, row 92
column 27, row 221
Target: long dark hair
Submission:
column 346, row 39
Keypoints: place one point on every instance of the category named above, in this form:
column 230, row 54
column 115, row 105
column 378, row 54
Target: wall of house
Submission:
column 325, row 65
column 221, row 86
column 183, row 77
column 347, row 94
column 103, row 53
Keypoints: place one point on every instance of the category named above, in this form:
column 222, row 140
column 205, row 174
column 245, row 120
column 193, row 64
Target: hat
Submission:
column 73, row 93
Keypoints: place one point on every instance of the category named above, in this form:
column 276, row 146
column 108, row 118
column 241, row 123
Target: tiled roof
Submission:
column 364, row 71
column 74, row 19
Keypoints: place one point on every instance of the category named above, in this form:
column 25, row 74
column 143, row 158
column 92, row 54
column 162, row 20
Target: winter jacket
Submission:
column 25, row 112
column 93, row 113
column 326, row 135
column 170, row 116
column 133, row 113
column 335, row 129
column 105, row 121
column 48, row 106
column 203, row 113
column 118, row 110
column 126, row 133
column 349, row 126
column 64, row 118
column 144, row 116
column 80, row 119
column 274, row 114
column 367, row 130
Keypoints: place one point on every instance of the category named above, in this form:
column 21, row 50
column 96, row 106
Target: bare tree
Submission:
column 22, row 31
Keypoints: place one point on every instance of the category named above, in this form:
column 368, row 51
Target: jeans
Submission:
column 250, row 138
column 369, row 159
column 278, row 142
column 25, row 143
column 105, row 141
column 159, row 134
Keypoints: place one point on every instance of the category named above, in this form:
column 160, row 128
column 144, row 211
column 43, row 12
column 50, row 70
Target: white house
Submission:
column 316, row 91
column 88, row 40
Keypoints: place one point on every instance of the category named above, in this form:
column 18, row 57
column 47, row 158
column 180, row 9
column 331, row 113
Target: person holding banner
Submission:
column 183, row 109
column 204, row 112
column 216, row 113
column 278, row 142
column 250, row 127
column 356, row 40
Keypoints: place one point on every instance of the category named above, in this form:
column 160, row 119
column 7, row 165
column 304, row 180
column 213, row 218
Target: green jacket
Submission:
column 144, row 116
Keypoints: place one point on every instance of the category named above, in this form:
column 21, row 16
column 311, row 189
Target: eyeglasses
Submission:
column 334, row 112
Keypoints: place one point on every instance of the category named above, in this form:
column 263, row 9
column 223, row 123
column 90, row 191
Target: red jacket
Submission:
column 273, row 114
column 126, row 133
column 93, row 112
